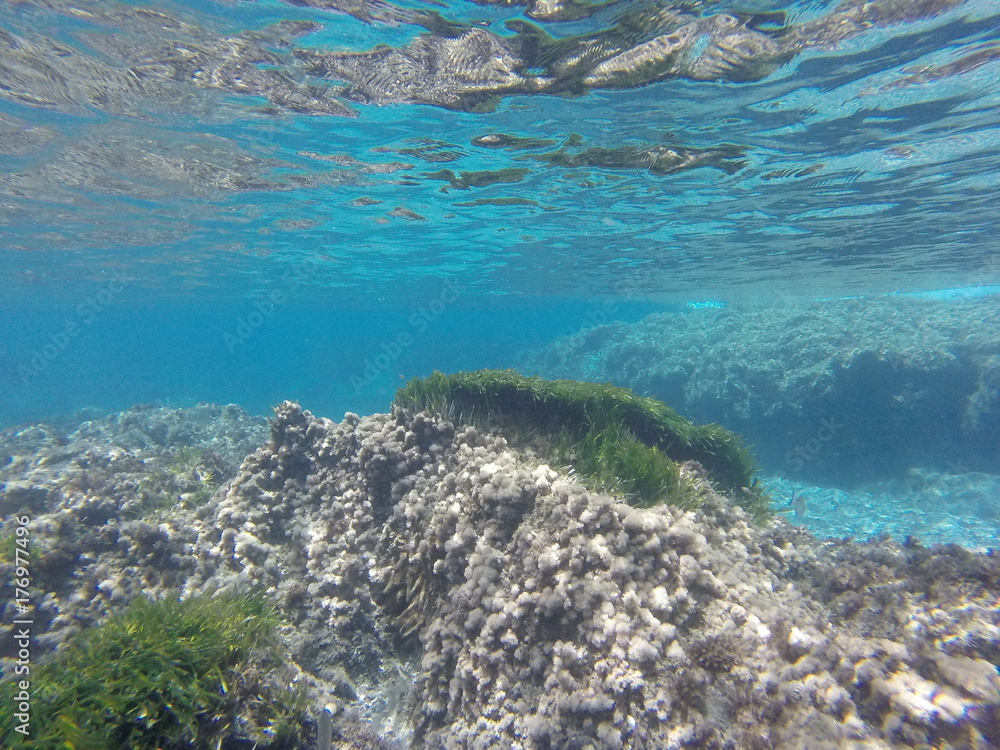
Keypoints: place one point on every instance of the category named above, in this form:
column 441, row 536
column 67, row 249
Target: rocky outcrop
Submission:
column 839, row 391
column 458, row 593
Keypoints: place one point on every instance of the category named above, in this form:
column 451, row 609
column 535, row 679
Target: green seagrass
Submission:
column 162, row 674
column 620, row 441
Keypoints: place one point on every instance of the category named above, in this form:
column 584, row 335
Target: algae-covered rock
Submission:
column 445, row 589
column 623, row 441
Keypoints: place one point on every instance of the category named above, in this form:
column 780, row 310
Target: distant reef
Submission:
column 429, row 583
column 837, row 391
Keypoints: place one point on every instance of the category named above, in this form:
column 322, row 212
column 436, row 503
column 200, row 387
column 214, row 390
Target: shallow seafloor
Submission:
column 932, row 507
column 534, row 613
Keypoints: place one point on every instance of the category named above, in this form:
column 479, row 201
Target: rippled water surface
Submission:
column 679, row 151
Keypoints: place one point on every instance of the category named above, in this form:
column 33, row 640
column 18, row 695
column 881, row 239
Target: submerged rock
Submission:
column 838, row 391
column 455, row 592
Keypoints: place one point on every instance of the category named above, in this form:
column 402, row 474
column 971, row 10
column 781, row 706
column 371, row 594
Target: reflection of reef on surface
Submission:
column 179, row 108
column 158, row 61
column 466, row 68
column 500, row 202
column 657, row 160
column 426, row 149
column 466, row 180
column 155, row 62
column 511, row 142
column 142, row 164
column 369, row 11
column 917, row 75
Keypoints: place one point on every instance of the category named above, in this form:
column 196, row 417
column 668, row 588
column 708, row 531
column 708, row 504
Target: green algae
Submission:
column 162, row 674
column 620, row 441
column 9, row 541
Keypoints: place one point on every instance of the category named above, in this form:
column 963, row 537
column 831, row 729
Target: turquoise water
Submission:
column 248, row 202
column 198, row 205
column 780, row 217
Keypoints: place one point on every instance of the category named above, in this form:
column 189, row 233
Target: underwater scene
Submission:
column 499, row 374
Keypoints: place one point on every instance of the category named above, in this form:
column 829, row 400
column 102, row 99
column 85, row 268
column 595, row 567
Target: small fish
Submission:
column 798, row 504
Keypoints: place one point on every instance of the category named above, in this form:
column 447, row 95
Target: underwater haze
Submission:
column 245, row 200
column 779, row 219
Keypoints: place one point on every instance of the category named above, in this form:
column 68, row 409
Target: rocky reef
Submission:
column 100, row 489
column 442, row 588
column 840, row 391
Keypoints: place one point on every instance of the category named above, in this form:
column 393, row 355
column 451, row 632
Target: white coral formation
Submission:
column 93, row 495
column 520, row 610
column 549, row 616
